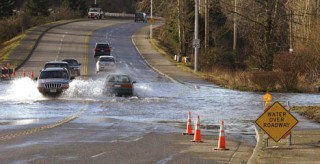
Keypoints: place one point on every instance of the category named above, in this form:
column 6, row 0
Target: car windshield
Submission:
column 119, row 78
column 102, row 46
column 53, row 74
column 107, row 59
column 93, row 10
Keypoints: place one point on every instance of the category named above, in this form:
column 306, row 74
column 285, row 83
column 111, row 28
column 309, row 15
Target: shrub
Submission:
column 264, row 81
column 217, row 57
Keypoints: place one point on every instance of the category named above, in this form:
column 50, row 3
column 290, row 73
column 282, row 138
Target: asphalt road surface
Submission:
column 85, row 126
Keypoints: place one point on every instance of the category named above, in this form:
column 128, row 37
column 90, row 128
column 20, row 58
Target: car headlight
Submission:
column 40, row 85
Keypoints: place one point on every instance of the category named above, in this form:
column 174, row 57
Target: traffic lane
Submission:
column 66, row 41
column 80, row 144
column 127, row 57
column 49, row 47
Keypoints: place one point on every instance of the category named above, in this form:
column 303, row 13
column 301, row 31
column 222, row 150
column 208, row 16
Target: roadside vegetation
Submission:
column 16, row 17
column 253, row 45
column 310, row 112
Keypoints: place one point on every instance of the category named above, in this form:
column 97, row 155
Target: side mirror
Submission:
column 134, row 82
column 36, row 78
column 72, row 78
column 79, row 64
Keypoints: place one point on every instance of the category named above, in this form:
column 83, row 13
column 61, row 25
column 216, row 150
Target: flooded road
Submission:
column 158, row 105
column 155, row 104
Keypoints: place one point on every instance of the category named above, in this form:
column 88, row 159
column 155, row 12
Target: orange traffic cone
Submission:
column 222, row 138
column 14, row 72
column 197, row 135
column 24, row 73
column 32, row 75
column 189, row 126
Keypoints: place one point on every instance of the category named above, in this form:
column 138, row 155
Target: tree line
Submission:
column 19, row 15
column 254, row 35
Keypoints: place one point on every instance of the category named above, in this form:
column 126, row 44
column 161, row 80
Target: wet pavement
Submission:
column 159, row 106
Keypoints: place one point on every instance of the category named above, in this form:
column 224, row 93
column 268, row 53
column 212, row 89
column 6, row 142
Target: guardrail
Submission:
column 123, row 15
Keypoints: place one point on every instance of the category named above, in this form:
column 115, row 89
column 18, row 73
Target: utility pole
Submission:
column 179, row 27
column 196, row 42
column 206, row 24
column 151, row 17
column 290, row 31
column 235, row 31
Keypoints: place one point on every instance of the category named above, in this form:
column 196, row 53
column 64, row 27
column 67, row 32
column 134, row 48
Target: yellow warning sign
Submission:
column 276, row 121
column 151, row 21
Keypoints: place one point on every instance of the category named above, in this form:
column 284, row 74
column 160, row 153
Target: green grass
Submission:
column 7, row 47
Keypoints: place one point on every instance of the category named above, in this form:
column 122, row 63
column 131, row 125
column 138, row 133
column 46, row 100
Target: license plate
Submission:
column 53, row 90
column 102, row 50
column 117, row 86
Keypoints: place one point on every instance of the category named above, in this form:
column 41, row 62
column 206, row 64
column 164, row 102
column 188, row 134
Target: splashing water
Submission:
column 85, row 89
column 22, row 89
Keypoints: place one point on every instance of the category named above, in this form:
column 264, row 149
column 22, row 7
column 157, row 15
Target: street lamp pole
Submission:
column 196, row 35
column 151, row 17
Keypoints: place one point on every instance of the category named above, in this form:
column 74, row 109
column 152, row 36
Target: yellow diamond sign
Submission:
column 276, row 121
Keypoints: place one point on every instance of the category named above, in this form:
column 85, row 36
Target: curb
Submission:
column 152, row 67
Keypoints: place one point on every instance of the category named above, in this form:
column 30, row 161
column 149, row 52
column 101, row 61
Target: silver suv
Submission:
column 53, row 80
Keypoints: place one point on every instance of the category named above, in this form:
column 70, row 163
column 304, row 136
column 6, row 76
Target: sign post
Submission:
column 267, row 98
column 276, row 121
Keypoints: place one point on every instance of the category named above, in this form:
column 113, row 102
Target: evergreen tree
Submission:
column 37, row 7
column 6, row 7
column 218, row 19
column 65, row 4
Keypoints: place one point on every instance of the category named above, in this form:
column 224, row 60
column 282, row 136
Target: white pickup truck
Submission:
column 95, row 13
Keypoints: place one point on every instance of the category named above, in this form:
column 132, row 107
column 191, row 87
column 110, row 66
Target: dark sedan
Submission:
column 119, row 85
column 74, row 66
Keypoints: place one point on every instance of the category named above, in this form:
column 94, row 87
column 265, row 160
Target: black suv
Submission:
column 140, row 17
column 59, row 64
column 102, row 48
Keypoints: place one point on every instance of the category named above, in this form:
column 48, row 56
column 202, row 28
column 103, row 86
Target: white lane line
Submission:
column 95, row 156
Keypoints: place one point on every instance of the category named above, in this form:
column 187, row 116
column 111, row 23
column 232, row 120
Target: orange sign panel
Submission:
column 276, row 121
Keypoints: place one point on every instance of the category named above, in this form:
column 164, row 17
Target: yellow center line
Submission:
column 70, row 118
column 86, row 54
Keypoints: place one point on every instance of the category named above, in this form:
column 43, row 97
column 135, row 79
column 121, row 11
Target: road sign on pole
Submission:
column 276, row 121
column 196, row 43
column 151, row 21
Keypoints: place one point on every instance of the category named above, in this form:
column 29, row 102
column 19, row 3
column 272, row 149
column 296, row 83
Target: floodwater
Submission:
column 158, row 104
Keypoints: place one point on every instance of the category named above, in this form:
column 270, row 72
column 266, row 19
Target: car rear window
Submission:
column 54, row 65
column 102, row 46
column 119, row 78
column 72, row 62
column 107, row 59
